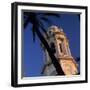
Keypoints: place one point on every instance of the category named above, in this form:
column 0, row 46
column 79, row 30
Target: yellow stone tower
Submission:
column 60, row 46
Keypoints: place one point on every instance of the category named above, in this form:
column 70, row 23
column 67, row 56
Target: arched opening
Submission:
column 53, row 47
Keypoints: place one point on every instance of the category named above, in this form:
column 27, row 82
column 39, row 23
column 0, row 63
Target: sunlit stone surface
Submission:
column 60, row 46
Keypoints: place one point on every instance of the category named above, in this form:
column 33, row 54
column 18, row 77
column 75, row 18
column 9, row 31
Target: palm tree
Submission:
column 36, row 20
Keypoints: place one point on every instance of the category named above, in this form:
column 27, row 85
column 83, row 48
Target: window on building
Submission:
column 53, row 47
column 61, row 49
column 49, row 32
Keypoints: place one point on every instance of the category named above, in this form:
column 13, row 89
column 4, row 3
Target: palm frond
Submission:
column 26, row 22
column 46, row 19
column 33, row 32
column 52, row 14
column 43, row 28
column 35, row 21
column 34, row 28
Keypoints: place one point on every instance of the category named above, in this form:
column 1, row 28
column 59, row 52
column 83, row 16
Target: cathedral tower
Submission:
column 59, row 44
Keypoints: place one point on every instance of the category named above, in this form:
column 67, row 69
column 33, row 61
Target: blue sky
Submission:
column 33, row 58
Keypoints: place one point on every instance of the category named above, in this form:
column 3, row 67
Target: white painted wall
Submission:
column 5, row 46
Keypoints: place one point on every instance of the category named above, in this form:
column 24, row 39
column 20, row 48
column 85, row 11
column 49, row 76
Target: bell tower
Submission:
column 60, row 47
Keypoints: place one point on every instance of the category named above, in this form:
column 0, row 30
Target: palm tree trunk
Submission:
column 52, row 56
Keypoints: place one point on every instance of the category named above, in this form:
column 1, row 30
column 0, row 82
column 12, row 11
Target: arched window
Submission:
column 61, row 49
column 53, row 47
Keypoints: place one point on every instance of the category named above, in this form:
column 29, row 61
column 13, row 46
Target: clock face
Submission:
column 69, row 67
